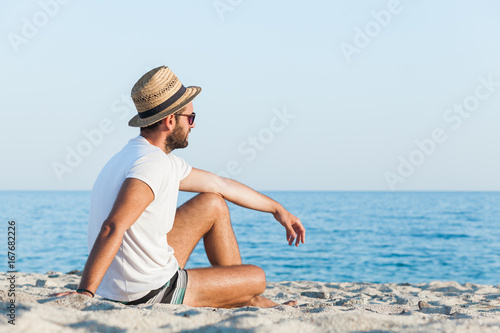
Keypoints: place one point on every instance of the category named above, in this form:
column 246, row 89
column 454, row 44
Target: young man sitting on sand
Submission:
column 135, row 227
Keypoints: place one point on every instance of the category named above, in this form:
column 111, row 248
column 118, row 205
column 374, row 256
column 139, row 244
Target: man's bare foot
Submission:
column 263, row 302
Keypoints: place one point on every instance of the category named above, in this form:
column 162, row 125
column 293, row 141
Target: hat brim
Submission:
column 188, row 96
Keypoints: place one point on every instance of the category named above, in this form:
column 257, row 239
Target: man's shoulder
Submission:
column 153, row 158
column 177, row 161
column 139, row 147
column 138, row 152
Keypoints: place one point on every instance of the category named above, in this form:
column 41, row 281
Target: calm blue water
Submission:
column 351, row 236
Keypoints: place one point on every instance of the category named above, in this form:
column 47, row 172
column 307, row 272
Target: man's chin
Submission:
column 181, row 146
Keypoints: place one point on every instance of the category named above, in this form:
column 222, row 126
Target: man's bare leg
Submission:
column 224, row 287
column 228, row 287
column 228, row 283
column 204, row 216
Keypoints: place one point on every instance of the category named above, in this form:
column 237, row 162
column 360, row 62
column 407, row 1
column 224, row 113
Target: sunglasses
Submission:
column 190, row 117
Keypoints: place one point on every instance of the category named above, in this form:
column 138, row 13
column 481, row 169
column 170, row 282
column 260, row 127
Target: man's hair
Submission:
column 151, row 128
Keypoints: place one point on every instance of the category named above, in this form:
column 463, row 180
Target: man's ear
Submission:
column 170, row 122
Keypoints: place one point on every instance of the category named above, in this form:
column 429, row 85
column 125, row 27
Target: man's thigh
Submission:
column 192, row 221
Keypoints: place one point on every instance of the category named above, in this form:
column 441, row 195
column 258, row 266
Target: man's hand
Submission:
column 294, row 228
column 68, row 293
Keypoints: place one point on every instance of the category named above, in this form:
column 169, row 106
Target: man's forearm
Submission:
column 203, row 181
column 244, row 196
column 233, row 191
column 102, row 254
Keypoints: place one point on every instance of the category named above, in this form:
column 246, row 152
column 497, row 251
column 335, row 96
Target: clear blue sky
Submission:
column 297, row 95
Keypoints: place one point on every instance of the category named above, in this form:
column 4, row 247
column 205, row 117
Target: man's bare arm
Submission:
column 242, row 195
column 132, row 200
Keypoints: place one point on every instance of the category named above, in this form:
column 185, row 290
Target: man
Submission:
column 140, row 242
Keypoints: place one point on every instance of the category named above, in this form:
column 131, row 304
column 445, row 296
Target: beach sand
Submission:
column 323, row 307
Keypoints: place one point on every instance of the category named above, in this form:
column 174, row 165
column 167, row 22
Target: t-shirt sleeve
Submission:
column 149, row 169
column 183, row 168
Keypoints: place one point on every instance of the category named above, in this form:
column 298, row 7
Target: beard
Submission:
column 178, row 139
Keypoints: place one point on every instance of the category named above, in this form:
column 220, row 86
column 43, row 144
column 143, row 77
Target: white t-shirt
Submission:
column 144, row 260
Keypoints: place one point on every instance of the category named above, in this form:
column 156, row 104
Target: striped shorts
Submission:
column 171, row 292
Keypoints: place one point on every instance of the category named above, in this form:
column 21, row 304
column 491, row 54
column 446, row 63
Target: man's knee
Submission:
column 259, row 278
column 214, row 202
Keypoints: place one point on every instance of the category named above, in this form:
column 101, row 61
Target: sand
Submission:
column 323, row 307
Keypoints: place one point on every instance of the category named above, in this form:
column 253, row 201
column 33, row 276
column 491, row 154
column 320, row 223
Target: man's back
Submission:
column 144, row 261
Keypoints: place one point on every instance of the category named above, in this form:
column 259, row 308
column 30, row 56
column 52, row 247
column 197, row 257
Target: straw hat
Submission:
column 157, row 94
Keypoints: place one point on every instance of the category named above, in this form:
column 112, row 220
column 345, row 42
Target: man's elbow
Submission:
column 217, row 185
column 110, row 228
column 224, row 186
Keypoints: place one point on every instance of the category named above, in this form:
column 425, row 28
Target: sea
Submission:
column 380, row 237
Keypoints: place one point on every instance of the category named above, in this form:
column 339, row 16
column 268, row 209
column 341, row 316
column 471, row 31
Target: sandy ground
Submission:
column 323, row 307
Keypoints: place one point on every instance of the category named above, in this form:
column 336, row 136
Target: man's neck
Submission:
column 156, row 139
